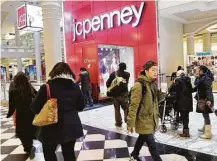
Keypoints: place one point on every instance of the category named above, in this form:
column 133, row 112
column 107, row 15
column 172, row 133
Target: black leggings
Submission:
column 67, row 150
column 206, row 118
column 185, row 119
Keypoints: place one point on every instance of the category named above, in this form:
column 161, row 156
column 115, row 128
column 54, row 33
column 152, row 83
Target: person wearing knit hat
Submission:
column 205, row 99
column 143, row 104
column 180, row 73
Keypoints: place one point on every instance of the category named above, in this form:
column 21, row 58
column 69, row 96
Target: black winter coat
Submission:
column 204, row 91
column 183, row 91
column 69, row 102
column 84, row 79
column 24, row 115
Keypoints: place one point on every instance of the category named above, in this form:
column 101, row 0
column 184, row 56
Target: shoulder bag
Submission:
column 201, row 103
column 49, row 113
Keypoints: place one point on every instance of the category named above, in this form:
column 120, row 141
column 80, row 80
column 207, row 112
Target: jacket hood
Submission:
column 141, row 76
column 186, row 79
column 84, row 73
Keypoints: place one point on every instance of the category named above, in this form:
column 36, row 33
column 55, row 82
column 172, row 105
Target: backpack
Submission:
column 144, row 90
column 116, row 86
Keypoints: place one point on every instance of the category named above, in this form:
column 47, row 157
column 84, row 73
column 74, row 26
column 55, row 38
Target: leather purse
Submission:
column 201, row 104
column 49, row 113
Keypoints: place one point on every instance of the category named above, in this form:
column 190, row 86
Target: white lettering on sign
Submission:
column 125, row 16
column 22, row 20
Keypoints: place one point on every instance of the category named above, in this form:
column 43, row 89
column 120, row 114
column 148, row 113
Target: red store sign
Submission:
column 21, row 17
column 89, row 24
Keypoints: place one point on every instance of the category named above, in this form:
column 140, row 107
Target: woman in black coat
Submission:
column 183, row 90
column 21, row 94
column 69, row 102
column 203, row 87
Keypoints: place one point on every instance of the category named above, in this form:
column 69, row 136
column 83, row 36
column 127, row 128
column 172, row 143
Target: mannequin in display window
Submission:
column 104, row 74
column 114, row 65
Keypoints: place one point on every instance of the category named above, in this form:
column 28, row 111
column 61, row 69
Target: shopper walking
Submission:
column 120, row 97
column 21, row 94
column 69, row 101
column 143, row 111
column 183, row 90
column 204, row 99
column 84, row 79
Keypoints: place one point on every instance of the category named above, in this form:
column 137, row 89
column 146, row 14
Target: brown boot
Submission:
column 185, row 133
column 207, row 134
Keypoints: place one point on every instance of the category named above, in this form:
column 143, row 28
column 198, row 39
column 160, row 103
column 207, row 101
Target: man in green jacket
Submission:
column 143, row 111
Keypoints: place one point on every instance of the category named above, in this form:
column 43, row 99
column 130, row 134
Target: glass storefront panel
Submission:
column 109, row 58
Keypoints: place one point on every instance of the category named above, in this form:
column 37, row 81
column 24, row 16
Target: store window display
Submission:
column 109, row 57
column 3, row 74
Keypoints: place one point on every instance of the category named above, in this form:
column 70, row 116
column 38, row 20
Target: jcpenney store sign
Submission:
column 125, row 16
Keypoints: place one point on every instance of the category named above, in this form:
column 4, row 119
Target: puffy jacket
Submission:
column 146, row 121
column 204, row 90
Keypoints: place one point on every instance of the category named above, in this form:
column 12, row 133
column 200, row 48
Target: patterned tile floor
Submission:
column 102, row 141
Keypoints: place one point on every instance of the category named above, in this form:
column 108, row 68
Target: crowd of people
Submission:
column 140, row 106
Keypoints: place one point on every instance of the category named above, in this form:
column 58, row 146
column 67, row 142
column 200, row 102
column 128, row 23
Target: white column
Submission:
column 52, row 35
column 190, row 44
column 17, row 40
column 37, row 55
column 17, row 35
column 19, row 64
column 207, row 42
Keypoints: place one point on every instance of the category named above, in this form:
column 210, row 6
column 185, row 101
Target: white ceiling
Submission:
column 183, row 11
column 187, row 11
column 8, row 14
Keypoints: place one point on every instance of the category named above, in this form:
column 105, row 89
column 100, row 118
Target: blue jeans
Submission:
column 87, row 96
column 149, row 139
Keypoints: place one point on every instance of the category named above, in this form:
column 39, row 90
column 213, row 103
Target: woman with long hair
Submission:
column 20, row 98
column 205, row 99
column 69, row 102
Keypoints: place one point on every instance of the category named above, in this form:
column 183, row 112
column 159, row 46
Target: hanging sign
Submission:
column 29, row 18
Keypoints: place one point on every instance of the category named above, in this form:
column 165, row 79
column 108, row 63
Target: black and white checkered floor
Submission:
column 96, row 145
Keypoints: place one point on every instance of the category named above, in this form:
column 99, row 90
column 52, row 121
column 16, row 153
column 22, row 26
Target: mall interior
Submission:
column 35, row 35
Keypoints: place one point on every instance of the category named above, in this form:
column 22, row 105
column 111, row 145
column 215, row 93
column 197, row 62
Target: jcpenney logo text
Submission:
column 125, row 16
